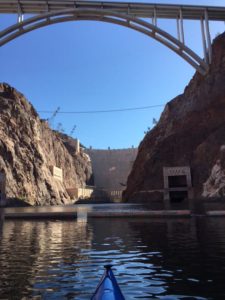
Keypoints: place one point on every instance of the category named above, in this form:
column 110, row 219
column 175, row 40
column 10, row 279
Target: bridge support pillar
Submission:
column 208, row 37
column 178, row 29
column 181, row 27
column 20, row 18
column 204, row 40
column 154, row 18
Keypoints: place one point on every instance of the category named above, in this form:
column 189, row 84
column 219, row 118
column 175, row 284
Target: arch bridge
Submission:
column 142, row 17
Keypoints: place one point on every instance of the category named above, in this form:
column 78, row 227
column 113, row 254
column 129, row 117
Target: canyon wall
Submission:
column 190, row 133
column 30, row 151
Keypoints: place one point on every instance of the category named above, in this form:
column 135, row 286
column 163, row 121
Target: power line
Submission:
column 103, row 111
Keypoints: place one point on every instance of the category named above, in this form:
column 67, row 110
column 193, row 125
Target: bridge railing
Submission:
column 115, row 195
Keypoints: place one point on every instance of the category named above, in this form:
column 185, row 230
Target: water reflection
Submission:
column 153, row 259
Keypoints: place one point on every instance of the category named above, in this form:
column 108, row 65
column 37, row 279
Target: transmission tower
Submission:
column 51, row 119
column 73, row 129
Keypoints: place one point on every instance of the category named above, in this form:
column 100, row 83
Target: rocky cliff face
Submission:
column 190, row 132
column 28, row 149
column 82, row 161
column 215, row 184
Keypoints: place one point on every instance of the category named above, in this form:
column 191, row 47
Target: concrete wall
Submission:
column 111, row 167
column 76, row 193
column 57, row 173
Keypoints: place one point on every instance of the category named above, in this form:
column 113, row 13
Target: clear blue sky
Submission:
column 81, row 66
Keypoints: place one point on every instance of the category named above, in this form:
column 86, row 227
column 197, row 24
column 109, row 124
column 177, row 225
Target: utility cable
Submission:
column 103, row 111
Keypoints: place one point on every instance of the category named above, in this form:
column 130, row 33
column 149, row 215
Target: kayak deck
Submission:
column 108, row 288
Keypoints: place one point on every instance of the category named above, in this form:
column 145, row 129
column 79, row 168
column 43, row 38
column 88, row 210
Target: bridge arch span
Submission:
column 78, row 14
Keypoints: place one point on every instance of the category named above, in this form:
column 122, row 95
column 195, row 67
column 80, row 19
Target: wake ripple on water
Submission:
column 166, row 260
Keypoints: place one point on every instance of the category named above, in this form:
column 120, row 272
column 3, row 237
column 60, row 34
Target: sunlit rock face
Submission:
column 28, row 150
column 190, row 132
column 215, row 184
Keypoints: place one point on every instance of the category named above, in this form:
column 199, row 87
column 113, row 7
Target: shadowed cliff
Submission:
column 190, row 132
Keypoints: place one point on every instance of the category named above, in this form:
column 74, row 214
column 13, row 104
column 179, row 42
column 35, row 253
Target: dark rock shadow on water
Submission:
column 191, row 254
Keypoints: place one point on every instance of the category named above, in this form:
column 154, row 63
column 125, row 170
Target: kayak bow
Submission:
column 108, row 288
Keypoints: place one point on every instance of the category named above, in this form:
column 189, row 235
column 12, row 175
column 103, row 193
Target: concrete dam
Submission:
column 111, row 167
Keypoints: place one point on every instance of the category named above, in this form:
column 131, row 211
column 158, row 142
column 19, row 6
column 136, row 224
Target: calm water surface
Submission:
column 153, row 259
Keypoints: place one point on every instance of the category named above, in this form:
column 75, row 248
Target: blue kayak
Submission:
column 108, row 288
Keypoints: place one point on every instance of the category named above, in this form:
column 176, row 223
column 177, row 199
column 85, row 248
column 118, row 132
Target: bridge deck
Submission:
column 143, row 10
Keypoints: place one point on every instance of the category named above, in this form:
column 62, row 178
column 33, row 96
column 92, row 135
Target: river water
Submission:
column 153, row 258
